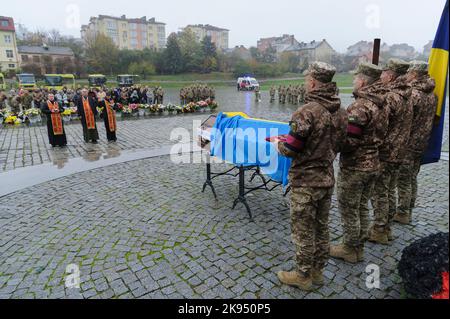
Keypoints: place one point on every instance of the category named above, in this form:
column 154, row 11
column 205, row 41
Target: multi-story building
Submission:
column 280, row 44
column 313, row 51
column 219, row 36
column 48, row 59
column 131, row 34
column 9, row 58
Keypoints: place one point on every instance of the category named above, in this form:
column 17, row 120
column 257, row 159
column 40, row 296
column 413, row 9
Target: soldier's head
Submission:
column 365, row 75
column 416, row 70
column 318, row 74
column 393, row 69
column 51, row 97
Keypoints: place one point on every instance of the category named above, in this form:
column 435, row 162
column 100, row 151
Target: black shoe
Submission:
column 94, row 142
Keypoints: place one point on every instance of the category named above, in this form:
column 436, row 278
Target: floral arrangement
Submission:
column 67, row 112
column 202, row 104
column 119, row 107
column 33, row 112
column 170, row 108
column 12, row 119
column 126, row 110
column 133, row 107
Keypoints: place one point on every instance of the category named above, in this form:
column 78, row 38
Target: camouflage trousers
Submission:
column 407, row 186
column 310, row 208
column 354, row 190
column 384, row 197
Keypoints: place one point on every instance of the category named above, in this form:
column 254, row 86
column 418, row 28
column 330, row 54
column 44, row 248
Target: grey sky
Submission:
column 342, row 23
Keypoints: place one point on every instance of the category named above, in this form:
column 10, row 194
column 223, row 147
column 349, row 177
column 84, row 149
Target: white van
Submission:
column 247, row 84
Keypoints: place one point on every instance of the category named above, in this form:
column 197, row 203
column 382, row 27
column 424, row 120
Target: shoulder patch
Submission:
column 293, row 125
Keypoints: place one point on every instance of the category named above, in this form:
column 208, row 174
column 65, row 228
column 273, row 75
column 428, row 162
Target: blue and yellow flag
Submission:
column 438, row 69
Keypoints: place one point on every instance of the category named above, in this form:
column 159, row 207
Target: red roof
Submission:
column 10, row 24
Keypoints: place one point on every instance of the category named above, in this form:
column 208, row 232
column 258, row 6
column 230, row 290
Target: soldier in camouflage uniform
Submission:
column 3, row 99
column 280, row 93
column 257, row 94
column 272, row 94
column 302, row 94
column 318, row 130
column 283, row 94
column 359, row 163
column 399, row 115
column 424, row 103
column 289, row 94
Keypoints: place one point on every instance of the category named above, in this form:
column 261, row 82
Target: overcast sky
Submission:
column 342, row 23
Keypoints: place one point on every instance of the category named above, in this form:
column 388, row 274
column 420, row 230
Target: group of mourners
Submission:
column 381, row 137
column 196, row 93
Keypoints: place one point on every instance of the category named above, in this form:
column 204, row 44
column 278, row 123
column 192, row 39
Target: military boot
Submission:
column 378, row 236
column 360, row 253
column 342, row 251
column 317, row 277
column 402, row 219
column 295, row 279
column 389, row 233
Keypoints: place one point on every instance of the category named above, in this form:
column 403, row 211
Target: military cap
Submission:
column 397, row 65
column 418, row 66
column 369, row 69
column 321, row 71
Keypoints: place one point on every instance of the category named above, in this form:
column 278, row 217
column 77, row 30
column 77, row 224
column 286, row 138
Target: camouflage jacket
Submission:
column 398, row 112
column 318, row 131
column 360, row 150
column 424, row 103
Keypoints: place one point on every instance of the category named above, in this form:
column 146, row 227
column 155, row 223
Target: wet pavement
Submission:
column 138, row 226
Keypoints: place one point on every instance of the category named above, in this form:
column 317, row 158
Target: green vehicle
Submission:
column 27, row 81
column 97, row 81
column 127, row 80
column 2, row 82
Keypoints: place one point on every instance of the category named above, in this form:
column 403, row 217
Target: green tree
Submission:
column 101, row 54
column 191, row 51
column 209, row 55
column 172, row 57
column 143, row 69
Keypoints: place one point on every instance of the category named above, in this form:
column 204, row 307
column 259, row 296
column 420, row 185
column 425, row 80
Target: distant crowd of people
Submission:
column 17, row 100
column 196, row 92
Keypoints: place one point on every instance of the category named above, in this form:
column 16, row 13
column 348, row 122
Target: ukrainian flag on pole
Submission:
column 438, row 69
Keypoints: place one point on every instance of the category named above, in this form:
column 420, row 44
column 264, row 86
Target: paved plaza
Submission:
column 144, row 229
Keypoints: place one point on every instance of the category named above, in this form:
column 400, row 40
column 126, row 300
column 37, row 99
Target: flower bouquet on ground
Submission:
column 33, row 115
column 67, row 115
column 12, row 119
column 178, row 109
column 190, row 108
column 161, row 109
column 119, row 110
column 141, row 109
column 201, row 106
column 170, row 108
column 134, row 109
column 73, row 113
column 144, row 109
column 212, row 105
column 126, row 111
column 153, row 109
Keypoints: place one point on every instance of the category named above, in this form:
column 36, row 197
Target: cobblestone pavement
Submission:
column 143, row 229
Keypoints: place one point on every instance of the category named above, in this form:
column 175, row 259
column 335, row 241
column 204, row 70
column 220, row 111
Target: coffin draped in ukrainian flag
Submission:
column 438, row 69
column 240, row 140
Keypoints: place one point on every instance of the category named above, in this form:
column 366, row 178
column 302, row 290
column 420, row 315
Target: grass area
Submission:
column 218, row 80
